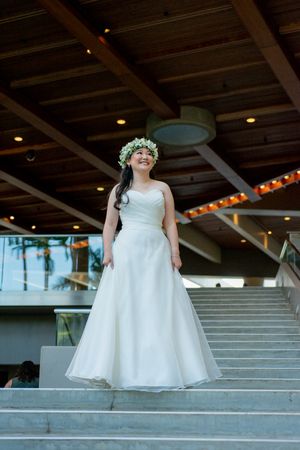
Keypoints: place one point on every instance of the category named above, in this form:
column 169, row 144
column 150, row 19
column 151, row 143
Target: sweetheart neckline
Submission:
column 145, row 193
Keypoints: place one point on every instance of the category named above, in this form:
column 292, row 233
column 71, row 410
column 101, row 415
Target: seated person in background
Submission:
column 26, row 377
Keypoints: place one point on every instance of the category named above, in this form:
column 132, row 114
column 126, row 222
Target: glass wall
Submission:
column 42, row 263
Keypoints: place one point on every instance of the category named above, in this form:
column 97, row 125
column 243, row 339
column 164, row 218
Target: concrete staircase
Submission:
column 256, row 405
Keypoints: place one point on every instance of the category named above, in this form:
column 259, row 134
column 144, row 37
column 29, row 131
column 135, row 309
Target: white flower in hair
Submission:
column 134, row 145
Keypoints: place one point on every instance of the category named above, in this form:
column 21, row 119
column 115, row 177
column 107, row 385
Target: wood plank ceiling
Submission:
column 226, row 56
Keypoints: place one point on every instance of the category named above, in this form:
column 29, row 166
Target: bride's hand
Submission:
column 176, row 262
column 108, row 259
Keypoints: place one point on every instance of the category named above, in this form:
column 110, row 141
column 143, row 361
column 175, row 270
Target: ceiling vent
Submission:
column 194, row 127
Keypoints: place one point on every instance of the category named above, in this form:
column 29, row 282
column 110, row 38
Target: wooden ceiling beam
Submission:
column 58, row 75
column 46, row 196
column 271, row 47
column 59, row 132
column 262, row 111
column 274, row 161
column 92, row 39
column 227, row 171
column 261, row 212
column 24, row 148
column 254, row 233
column 229, row 93
column 91, row 69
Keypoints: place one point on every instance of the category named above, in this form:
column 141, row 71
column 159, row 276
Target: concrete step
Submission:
column 254, row 373
column 239, row 304
column 259, row 362
column 205, row 399
column 241, row 297
column 251, row 337
column 225, row 442
column 253, row 384
column 236, row 292
column 249, row 322
column 260, row 329
column 243, row 309
column 146, row 423
column 241, row 300
column 255, row 345
column 257, row 353
column 282, row 317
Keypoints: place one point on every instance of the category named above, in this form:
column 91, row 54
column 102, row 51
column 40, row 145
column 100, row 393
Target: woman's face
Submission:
column 141, row 159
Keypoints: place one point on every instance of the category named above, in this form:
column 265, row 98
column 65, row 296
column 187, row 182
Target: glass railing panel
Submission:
column 70, row 324
column 291, row 256
column 294, row 238
column 42, row 263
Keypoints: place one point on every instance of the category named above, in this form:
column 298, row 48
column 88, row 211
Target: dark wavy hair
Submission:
column 126, row 179
column 27, row 371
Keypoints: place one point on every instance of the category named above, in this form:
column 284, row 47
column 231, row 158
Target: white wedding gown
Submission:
column 143, row 332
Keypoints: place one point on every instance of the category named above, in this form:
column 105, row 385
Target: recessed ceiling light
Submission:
column 18, row 138
column 243, row 241
column 269, row 232
column 100, row 188
column 12, row 217
column 33, row 227
column 250, row 120
column 76, row 227
column 286, row 218
column 121, row 121
column 106, row 30
column 88, row 51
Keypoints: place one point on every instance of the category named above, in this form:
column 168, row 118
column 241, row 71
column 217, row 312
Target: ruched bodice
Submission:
column 143, row 209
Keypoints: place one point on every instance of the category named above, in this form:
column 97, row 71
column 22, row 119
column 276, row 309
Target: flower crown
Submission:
column 134, row 145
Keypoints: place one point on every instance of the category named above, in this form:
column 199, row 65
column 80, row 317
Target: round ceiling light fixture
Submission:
column 195, row 126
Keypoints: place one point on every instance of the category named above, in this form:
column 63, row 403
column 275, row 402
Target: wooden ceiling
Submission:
column 226, row 56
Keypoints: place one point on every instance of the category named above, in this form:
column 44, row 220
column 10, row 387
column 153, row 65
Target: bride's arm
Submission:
column 110, row 225
column 169, row 224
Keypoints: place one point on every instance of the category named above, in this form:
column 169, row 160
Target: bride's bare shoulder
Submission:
column 164, row 187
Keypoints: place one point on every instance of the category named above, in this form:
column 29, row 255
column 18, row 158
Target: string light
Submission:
column 262, row 189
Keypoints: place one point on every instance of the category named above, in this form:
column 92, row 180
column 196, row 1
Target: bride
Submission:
column 143, row 332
